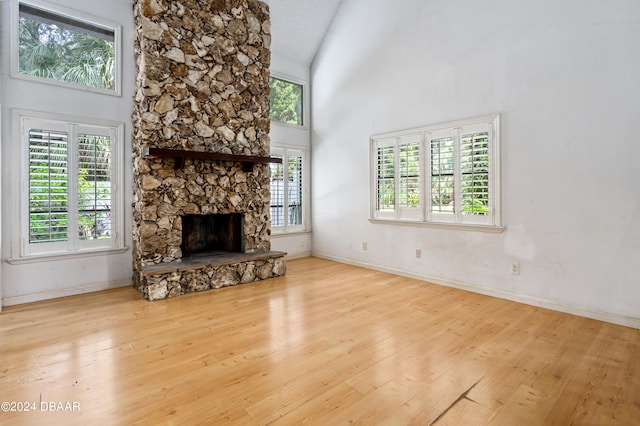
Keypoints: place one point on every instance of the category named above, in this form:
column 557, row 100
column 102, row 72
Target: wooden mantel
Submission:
column 180, row 154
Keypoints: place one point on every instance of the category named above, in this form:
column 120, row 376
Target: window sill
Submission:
column 442, row 225
column 48, row 257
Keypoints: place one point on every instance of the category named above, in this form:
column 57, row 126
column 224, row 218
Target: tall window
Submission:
column 285, row 101
column 71, row 201
column 59, row 45
column 445, row 173
column 287, row 191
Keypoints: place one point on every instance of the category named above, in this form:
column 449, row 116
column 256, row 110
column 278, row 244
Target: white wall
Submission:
column 299, row 244
column 564, row 75
column 35, row 281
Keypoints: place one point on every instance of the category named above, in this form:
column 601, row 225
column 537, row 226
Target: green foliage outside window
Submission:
column 285, row 101
column 474, row 180
column 58, row 48
column 48, row 186
column 474, row 165
column 386, row 178
column 409, row 175
column 442, row 175
column 94, row 187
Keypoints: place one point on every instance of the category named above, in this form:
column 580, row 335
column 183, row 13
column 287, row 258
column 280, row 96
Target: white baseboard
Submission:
column 527, row 300
column 298, row 255
column 18, row 300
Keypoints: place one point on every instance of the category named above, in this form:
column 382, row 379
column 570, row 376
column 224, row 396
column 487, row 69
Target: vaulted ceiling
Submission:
column 299, row 26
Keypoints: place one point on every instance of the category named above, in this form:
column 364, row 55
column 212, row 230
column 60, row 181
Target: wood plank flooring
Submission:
column 329, row 344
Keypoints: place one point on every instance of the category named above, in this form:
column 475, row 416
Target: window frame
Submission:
column 284, row 152
column 73, row 15
column 303, row 85
column 423, row 214
column 22, row 249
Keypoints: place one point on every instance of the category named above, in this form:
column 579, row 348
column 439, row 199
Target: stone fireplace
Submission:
column 201, row 146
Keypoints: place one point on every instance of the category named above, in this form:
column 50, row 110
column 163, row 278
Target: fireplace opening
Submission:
column 212, row 233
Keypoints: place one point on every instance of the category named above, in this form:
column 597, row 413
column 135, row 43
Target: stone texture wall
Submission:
column 202, row 85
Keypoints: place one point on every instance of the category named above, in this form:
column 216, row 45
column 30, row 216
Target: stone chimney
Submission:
column 201, row 141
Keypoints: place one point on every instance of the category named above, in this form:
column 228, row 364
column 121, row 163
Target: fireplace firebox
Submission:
column 212, row 233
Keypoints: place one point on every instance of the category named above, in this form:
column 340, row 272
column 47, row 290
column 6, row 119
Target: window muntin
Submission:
column 461, row 182
column 285, row 101
column 66, row 47
column 71, row 202
column 288, row 194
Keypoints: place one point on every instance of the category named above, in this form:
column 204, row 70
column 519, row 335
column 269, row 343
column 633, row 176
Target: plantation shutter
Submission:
column 476, row 193
column 441, row 147
column 94, row 185
column 71, row 192
column 474, row 162
column 446, row 173
column 385, row 186
column 277, row 189
column 409, row 192
column 48, row 185
column 287, row 190
column 294, row 187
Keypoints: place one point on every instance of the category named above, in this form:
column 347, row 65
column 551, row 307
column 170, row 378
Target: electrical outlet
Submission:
column 515, row 268
column 364, row 246
column 418, row 253
column 302, row 243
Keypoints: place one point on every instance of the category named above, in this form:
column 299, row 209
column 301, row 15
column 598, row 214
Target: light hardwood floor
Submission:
column 328, row 344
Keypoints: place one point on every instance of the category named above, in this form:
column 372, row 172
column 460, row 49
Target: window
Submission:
column 445, row 174
column 285, row 101
column 71, row 199
column 397, row 165
column 58, row 45
column 288, row 206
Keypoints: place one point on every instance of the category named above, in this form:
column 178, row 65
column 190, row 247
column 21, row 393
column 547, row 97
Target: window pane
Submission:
column 386, row 182
column 277, row 193
column 285, row 101
column 409, row 175
column 48, row 177
column 474, row 167
column 442, row 179
column 61, row 48
column 94, row 187
column 294, row 190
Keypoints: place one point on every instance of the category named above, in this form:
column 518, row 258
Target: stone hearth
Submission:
column 202, row 87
